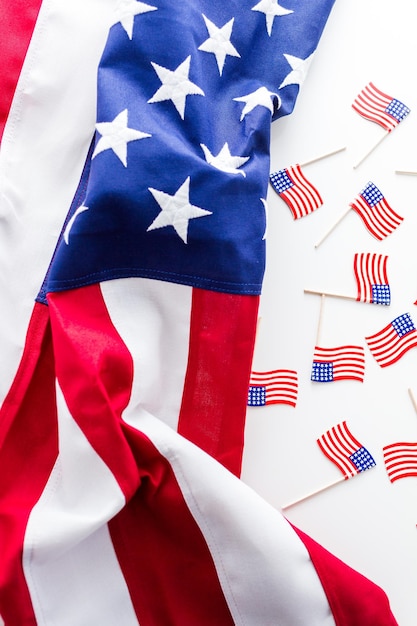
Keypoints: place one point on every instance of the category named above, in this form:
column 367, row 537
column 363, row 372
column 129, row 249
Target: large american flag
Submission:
column 124, row 387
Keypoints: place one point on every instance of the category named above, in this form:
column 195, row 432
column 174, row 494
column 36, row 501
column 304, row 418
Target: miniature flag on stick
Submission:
column 393, row 341
column 378, row 107
column 346, row 452
column 341, row 363
column 298, row 192
column 273, row 387
column 400, row 460
column 375, row 212
column 293, row 187
column 377, row 215
column 371, row 277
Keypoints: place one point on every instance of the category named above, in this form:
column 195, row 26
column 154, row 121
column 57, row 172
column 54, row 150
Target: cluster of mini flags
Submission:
column 370, row 271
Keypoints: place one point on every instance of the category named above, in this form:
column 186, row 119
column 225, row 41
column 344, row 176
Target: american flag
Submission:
column 340, row 363
column 299, row 193
column 393, row 341
column 379, row 107
column 400, row 460
column 341, row 447
column 273, row 387
column 372, row 279
column 122, row 417
column 377, row 215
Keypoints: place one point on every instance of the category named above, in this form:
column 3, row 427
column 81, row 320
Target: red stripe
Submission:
column 162, row 553
column 29, row 445
column 353, row 598
column 222, row 337
column 17, row 21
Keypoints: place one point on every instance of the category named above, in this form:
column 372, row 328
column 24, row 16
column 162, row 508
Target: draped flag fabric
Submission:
column 375, row 212
column 300, row 195
column 140, row 132
column 372, row 278
column 391, row 343
column 377, row 106
column 345, row 451
column 400, row 460
column 341, row 363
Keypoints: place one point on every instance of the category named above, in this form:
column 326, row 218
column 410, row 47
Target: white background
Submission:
column 367, row 521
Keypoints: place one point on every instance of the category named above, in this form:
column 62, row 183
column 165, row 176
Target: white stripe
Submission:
column 43, row 150
column 263, row 567
column 69, row 562
column 153, row 320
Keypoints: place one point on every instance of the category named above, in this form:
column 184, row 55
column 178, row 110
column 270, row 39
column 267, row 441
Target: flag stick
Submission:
column 407, row 172
column 320, row 319
column 332, row 295
column 322, row 156
column 371, row 150
column 316, row 245
column 413, row 400
column 313, row 493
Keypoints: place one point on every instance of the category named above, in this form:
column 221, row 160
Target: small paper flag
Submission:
column 341, row 363
column 345, row 451
column 273, row 387
column 293, row 187
column 400, row 460
column 371, row 278
column 377, row 215
column 379, row 107
column 393, row 341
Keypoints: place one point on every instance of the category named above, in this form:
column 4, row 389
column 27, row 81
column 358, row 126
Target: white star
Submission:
column 224, row 161
column 299, row 69
column 260, row 97
column 116, row 135
column 175, row 85
column 272, row 9
column 219, row 42
column 176, row 210
column 68, row 227
column 126, row 11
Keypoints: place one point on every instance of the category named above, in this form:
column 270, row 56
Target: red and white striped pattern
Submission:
column 281, row 386
column 388, row 346
column 302, row 197
column 380, row 219
column 400, row 460
column 338, row 444
column 348, row 361
column 371, row 103
column 369, row 269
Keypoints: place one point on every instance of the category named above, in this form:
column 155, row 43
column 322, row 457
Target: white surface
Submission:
column 367, row 521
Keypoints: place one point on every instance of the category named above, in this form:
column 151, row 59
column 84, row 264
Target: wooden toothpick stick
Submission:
column 407, row 172
column 323, row 156
column 413, row 400
column 326, row 293
column 316, row 245
column 371, row 150
column 320, row 319
column 313, row 493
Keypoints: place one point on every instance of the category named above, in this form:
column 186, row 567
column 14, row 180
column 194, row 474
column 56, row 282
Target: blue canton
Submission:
column 257, row 396
column 362, row 459
column 180, row 163
column 281, row 181
column 371, row 194
column 381, row 294
column 322, row 372
column 398, row 110
column 403, row 324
